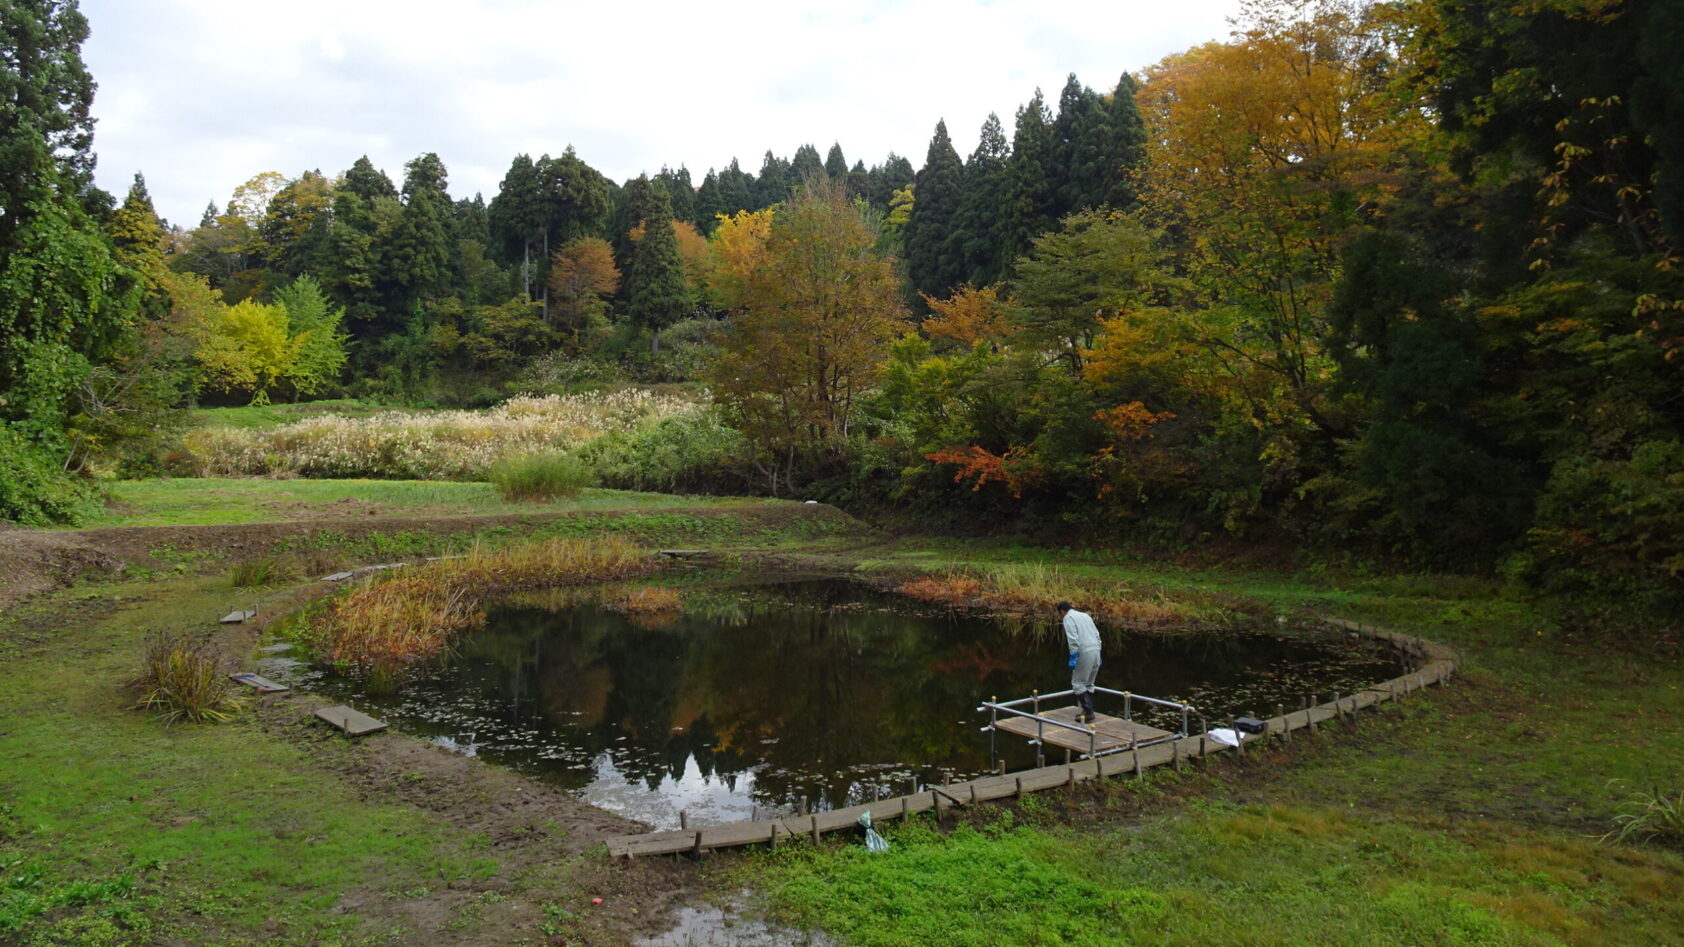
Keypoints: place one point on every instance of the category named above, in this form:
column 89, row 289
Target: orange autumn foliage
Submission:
column 1132, row 421
column 986, row 467
column 969, row 316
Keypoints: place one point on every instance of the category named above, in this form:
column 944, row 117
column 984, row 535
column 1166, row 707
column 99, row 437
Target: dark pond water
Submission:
column 760, row 694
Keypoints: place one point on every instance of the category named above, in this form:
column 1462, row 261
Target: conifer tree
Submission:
column 774, row 182
column 707, row 204
column 369, row 182
column 930, row 262
column 1124, row 149
column 680, row 192
column 416, row 254
column 657, row 294
column 574, row 199
column 736, row 190
column 639, row 202
column 836, row 166
column 137, row 237
column 883, row 180
column 978, row 241
column 1027, row 209
column 1081, row 146
column 805, row 165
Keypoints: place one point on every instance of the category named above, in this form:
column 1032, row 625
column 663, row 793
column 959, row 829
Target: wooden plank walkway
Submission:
column 1439, row 666
column 1110, row 733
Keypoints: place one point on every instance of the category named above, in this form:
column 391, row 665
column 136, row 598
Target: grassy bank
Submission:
column 1468, row 817
column 1465, row 816
column 214, row 501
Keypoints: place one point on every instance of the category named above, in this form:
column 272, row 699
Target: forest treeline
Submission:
column 1393, row 280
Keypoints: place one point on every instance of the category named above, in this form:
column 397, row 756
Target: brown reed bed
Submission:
column 1032, row 590
column 398, row 618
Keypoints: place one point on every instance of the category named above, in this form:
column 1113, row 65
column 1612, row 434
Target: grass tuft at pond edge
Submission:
column 412, row 614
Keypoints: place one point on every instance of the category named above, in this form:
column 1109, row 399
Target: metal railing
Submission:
column 995, row 707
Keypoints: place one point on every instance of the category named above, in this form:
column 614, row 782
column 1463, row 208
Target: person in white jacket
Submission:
column 1082, row 635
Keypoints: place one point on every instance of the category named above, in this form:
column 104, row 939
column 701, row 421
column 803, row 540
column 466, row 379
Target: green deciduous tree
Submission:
column 818, row 315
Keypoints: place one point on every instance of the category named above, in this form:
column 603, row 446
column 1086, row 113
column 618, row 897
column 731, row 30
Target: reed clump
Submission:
column 263, row 572
column 542, row 476
column 184, row 679
column 401, row 617
column 1033, row 589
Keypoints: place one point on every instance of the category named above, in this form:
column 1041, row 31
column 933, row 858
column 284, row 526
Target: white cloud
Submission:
column 202, row 94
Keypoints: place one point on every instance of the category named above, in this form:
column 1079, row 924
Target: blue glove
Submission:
column 1072, row 659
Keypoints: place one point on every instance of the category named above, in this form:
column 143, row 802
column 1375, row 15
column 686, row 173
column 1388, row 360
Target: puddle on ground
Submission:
column 711, row 926
column 753, row 699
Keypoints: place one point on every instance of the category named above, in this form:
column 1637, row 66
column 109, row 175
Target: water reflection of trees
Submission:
column 819, row 688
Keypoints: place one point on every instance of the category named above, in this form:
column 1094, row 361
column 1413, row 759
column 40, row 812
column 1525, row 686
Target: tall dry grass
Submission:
column 1032, row 589
column 398, row 618
column 443, row 445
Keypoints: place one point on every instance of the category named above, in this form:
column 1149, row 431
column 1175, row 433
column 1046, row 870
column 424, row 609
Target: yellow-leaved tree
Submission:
column 255, row 347
column 817, row 313
column 1263, row 154
column 737, row 248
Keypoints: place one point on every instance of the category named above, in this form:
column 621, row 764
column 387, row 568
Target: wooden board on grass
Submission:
column 352, row 723
column 261, row 683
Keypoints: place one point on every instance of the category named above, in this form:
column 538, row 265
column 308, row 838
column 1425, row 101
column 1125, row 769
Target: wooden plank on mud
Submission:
column 352, row 723
column 262, row 684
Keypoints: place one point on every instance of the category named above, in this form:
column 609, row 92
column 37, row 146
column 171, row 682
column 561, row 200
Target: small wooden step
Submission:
column 262, row 684
column 353, row 723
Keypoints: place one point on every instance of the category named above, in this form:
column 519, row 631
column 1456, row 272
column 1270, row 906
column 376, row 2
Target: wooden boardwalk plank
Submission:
column 262, row 684
column 353, row 723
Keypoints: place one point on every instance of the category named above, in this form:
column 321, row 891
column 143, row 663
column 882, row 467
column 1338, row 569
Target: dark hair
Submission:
column 1062, row 606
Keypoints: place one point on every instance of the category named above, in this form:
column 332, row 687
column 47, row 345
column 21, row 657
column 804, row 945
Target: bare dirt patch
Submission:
column 530, row 828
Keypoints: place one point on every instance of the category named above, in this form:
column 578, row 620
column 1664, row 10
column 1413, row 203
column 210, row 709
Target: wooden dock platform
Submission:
column 1111, row 734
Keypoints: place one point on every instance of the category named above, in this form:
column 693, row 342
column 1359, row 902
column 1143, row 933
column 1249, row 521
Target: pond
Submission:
column 757, row 695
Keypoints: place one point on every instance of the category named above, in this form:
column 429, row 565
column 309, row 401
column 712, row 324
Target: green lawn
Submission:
column 115, row 829
column 210, row 501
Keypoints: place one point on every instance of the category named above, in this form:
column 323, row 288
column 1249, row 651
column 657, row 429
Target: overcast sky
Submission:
column 199, row 95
